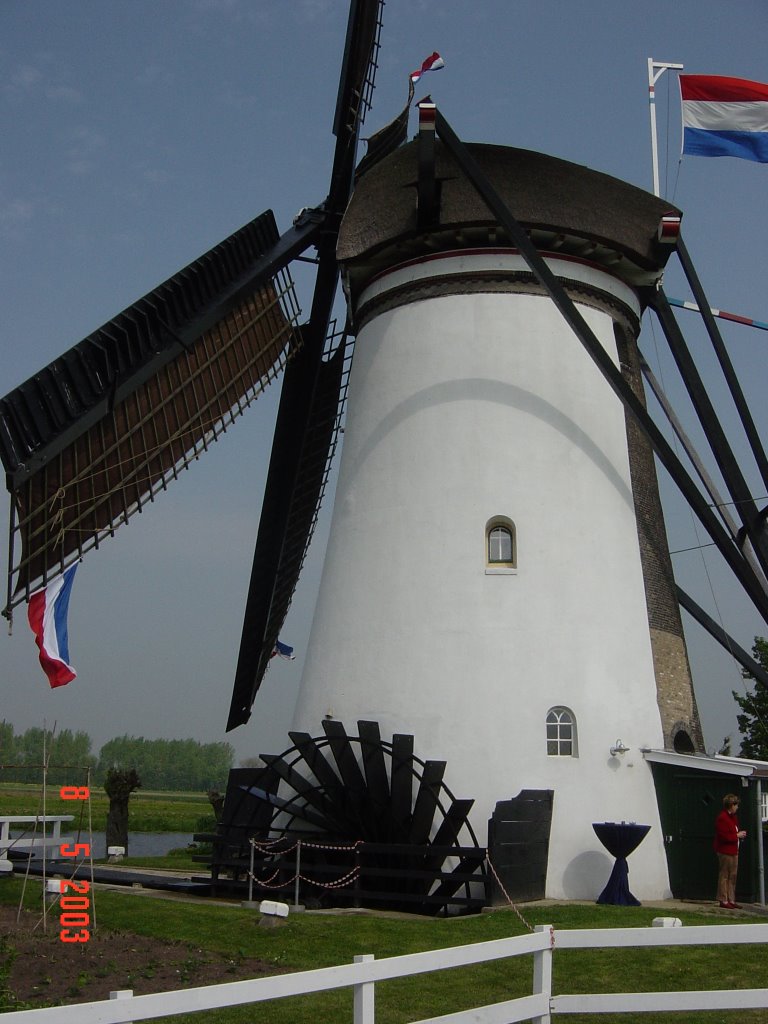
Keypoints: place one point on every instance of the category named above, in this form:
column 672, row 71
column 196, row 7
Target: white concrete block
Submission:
column 273, row 908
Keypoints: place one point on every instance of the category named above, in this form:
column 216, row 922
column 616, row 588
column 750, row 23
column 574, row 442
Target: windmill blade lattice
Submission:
column 98, row 433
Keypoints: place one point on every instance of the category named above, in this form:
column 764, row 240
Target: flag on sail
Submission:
column 282, row 650
column 432, row 63
column 725, row 117
column 47, row 614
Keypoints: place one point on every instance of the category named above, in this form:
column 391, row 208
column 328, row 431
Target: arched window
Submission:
column 561, row 733
column 500, row 543
column 682, row 742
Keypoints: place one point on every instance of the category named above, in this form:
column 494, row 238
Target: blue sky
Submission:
column 137, row 135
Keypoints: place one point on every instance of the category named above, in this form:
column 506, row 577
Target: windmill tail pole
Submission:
column 721, row 448
column 725, row 363
column 747, row 662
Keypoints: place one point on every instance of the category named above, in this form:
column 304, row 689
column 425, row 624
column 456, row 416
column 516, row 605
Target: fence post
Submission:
column 122, row 993
column 298, row 874
column 250, row 870
column 363, row 996
column 356, row 886
column 542, row 972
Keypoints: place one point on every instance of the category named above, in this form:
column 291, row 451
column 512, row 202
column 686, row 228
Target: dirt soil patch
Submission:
column 38, row 969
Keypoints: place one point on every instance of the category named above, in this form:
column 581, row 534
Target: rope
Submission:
column 268, row 847
column 340, row 883
column 507, row 897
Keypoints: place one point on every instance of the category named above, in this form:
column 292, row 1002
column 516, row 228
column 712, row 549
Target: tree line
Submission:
column 161, row 764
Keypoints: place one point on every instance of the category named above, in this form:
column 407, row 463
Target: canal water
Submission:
column 145, row 844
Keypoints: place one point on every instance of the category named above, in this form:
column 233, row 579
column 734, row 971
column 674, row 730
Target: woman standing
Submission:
column 727, row 836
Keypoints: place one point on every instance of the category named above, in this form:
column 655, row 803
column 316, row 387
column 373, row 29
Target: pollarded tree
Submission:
column 118, row 785
column 753, row 722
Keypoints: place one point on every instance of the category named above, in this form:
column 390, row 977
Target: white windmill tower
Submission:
column 495, row 581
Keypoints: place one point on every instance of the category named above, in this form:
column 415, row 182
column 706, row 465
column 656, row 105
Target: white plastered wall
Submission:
column 461, row 408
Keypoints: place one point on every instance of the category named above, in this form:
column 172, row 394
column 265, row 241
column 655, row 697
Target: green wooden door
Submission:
column 689, row 802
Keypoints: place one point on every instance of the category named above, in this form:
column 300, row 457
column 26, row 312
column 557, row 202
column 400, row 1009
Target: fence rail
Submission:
column 362, row 976
column 34, row 832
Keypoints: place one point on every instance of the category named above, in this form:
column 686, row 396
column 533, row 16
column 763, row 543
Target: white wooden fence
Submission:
column 363, row 974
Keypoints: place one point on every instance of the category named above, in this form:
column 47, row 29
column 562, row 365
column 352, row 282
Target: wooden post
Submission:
column 356, row 886
column 298, row 874
column 542, row 972
column 363, row 996
column 121, row 993
column 250, row 871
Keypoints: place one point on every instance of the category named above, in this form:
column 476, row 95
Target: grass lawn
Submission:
column 315, row 940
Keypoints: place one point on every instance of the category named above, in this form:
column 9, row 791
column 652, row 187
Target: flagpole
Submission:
column 721, row 314
column 655, row 70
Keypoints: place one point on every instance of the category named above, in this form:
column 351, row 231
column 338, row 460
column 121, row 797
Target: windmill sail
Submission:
column 304, row 442
column 312, row 394
column 97, row 433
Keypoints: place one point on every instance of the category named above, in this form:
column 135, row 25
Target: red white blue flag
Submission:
column 432, row 63
column 282, row 650
column 47, row 614
column 725, row 117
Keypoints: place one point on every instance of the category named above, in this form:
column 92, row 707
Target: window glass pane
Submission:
column 561, row 733
column 500, row 545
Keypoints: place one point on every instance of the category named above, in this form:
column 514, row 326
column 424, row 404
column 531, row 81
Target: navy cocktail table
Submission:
column 619, row 839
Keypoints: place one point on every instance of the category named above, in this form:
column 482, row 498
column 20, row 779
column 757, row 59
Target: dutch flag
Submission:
column 433, row 63
column 47, row 614
column 724, row 117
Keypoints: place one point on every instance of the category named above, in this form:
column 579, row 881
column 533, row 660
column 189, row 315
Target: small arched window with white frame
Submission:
column 500, row 545
column 561, row 733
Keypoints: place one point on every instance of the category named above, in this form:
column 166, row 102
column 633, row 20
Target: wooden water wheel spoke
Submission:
column 365, row 808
